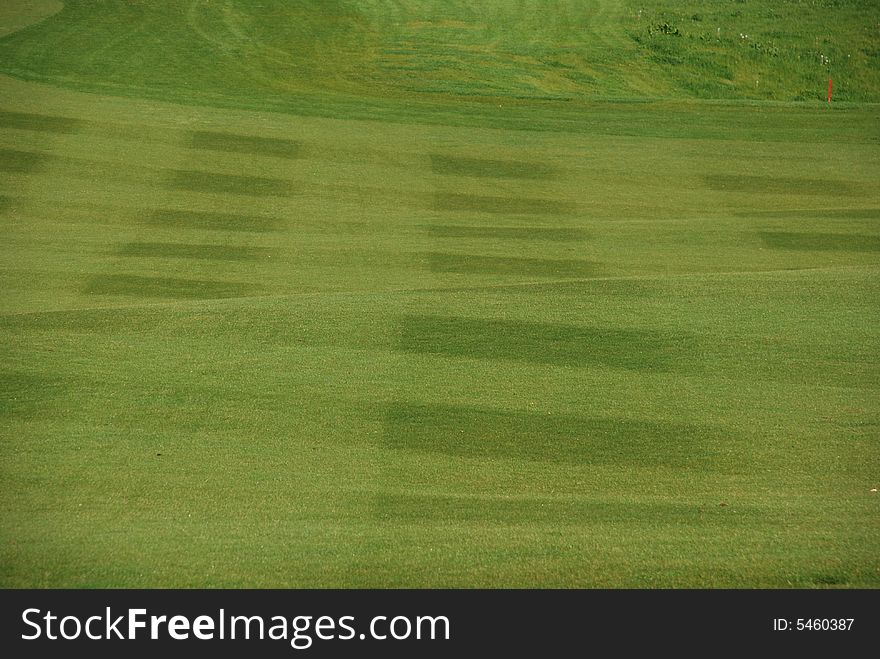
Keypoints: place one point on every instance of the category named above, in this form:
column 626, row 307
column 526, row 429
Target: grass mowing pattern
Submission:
column 556, row 343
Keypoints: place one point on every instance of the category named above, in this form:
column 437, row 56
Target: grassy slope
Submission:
column 636, row 346
column 336, row 56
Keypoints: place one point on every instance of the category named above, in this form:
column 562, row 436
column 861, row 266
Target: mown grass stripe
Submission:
column 22, row 162
column 233, row 184
column 544, row 343
column 487, row 168
column 248, row 144
column 42, row 123
column 542, row 436
column 471, row 203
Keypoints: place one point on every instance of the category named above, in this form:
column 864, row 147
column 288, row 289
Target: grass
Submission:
column 288, row 301
column 781, row 51
column 377, row 59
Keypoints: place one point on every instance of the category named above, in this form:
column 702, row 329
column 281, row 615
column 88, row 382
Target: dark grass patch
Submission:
column 542, row 437
column 418, row 508
column 511, row 265
column 234, row 143
column 255, row 186
column 139, row 321
column 213, row 221
column 5, row 202
column 189, row 251
column 445, row 201
column 821, row 242
column 39, row 122
column 824, row 579
column 543, row 343
column 818, row 213
column 536, row 234
column 491, row 168
column 25, row 395
column 778, row 185
column 22, row 162
column 166, row 287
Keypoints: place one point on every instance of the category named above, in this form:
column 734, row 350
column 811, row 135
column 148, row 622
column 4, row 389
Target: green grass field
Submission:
column 439, row 293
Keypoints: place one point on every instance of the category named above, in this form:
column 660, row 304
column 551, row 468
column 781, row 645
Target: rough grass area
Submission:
column 786, row 50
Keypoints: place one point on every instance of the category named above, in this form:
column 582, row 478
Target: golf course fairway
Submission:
column 439, row 293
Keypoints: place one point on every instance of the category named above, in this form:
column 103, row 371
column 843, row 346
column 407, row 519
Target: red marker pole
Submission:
column 829, row 90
